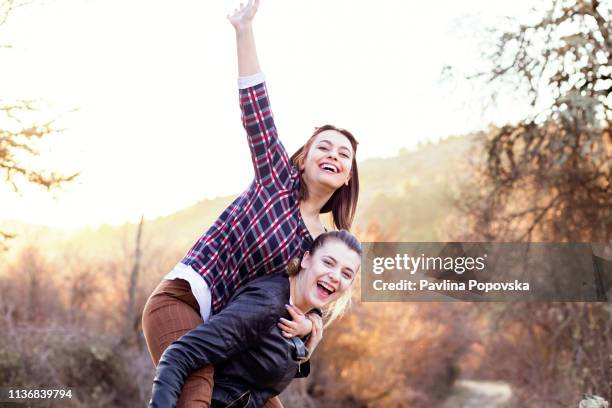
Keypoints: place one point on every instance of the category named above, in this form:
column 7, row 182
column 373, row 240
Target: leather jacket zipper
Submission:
column 231, row 404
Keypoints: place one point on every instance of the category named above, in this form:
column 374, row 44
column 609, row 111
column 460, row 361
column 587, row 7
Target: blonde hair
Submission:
column 336, row 308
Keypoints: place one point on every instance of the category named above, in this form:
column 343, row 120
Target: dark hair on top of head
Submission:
column 293, row 268
column 343, row 202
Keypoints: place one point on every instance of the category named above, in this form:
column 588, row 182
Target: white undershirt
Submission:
column 199, row 288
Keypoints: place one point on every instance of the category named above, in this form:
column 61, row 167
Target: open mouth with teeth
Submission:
column 328, row 167
column 324, row 290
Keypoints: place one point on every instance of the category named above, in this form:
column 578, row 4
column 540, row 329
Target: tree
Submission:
column 128, row 328
column 548, row 177
column 18, row 139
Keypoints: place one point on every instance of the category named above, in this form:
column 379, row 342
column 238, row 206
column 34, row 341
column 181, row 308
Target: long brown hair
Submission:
column 343, row 202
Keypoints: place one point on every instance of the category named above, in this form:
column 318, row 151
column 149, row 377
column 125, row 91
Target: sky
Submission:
column 146, row 91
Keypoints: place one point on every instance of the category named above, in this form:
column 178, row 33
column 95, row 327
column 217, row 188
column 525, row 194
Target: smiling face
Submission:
column 328, row 161
column 327, row 273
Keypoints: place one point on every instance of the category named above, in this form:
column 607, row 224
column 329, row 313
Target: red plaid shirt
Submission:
column 262, row 229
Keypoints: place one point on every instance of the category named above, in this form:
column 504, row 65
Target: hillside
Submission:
column 408, row 195
column 411, row 194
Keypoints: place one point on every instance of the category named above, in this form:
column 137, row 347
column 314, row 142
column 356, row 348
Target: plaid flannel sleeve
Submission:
column 270, row 160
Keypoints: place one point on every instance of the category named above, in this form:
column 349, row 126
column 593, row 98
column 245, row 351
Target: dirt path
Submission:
column 479, row 394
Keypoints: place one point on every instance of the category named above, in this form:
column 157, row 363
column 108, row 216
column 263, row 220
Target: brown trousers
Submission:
column 170, row 312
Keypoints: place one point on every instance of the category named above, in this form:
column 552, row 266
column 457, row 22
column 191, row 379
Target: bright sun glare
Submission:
column 147, row 93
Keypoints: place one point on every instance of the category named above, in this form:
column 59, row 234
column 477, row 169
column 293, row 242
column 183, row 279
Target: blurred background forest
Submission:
column 71, row 301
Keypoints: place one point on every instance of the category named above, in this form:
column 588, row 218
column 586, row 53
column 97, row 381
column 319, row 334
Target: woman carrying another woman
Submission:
column 273, row 221
column 253, row 360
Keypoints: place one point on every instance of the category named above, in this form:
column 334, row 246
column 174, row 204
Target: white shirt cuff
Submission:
column 251, row 80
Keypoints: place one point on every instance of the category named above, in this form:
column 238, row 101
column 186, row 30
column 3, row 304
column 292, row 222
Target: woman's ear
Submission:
column 305, row 260
column 348, row 178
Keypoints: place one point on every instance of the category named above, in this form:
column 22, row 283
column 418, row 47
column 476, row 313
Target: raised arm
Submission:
column 271, row 163
column 234, row 329
column 242, row 20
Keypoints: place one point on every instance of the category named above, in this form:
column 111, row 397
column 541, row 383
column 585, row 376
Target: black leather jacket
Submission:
column 253, row 361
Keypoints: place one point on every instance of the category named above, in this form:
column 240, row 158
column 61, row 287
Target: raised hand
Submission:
column 243, row 16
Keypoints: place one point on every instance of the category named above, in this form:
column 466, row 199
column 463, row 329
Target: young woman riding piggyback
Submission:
column 275, row 220
column 254, row 360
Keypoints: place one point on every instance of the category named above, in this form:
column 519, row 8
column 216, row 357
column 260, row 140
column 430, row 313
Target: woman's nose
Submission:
column 334, row 275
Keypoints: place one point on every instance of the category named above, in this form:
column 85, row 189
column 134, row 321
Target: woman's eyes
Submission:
column 325, row 148
column 345, row 274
